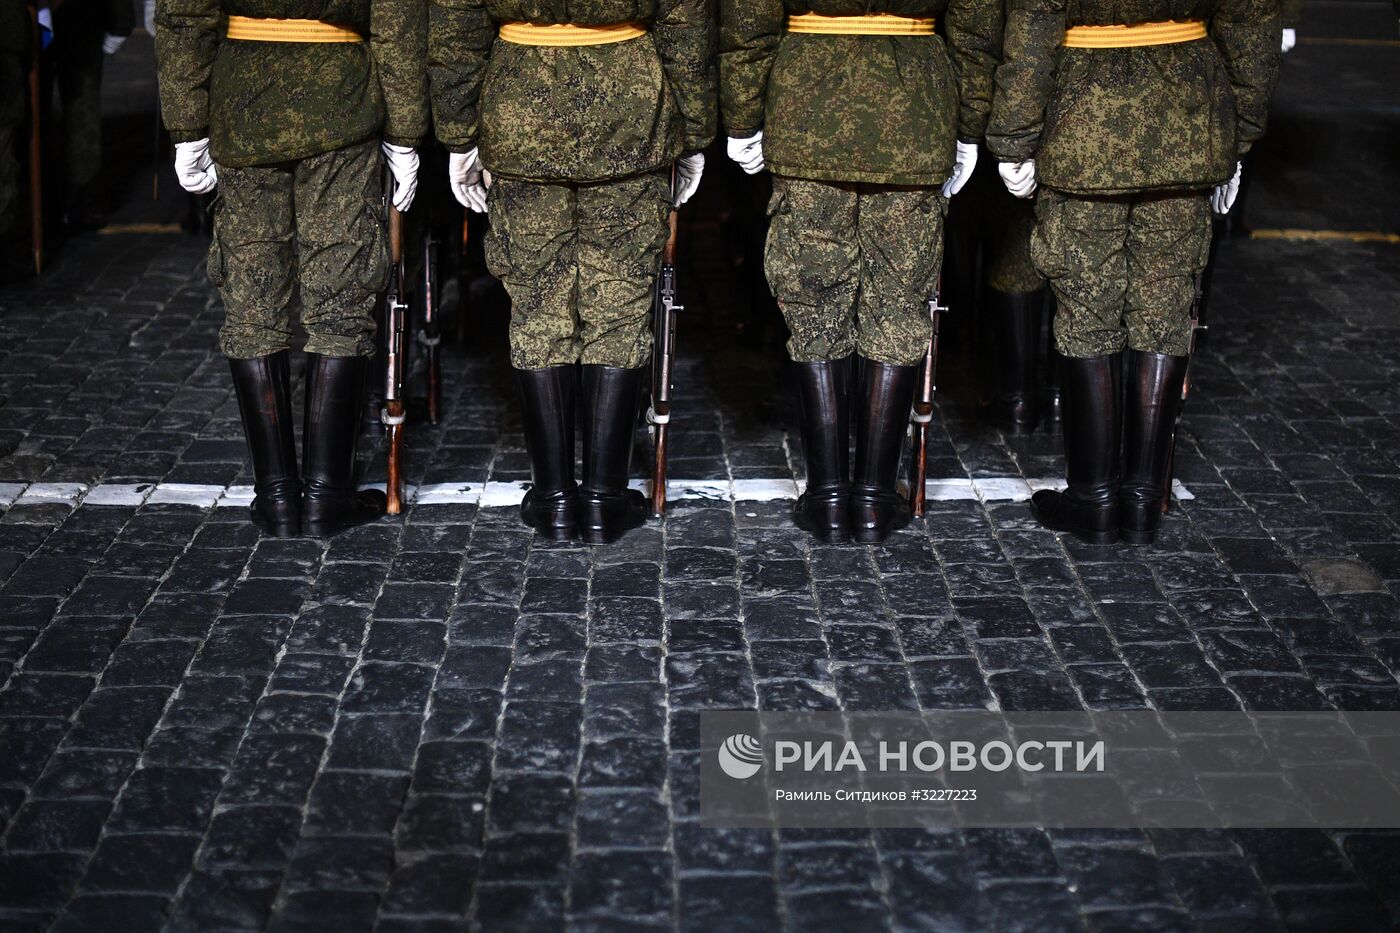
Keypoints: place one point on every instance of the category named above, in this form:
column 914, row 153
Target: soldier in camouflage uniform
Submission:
column 861, row 118
column 576, row 111
column 288, row 116
column 85, row 32
column 1133, row 134
column 1011, row 305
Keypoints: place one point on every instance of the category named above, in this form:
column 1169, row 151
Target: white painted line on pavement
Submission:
column 497, row 494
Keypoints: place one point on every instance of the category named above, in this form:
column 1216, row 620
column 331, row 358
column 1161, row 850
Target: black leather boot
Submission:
column 1152, row 398
column 1088, row 508
column 547, row 399
column 607, row 509
column 335, row 388
column 823, row 395
column 264, row 389
column 884, row 395
column 1015, row 320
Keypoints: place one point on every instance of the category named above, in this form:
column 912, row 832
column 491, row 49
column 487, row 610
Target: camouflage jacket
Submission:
column 579, row 114
column 883, row 109
column 267, row 102
column 1106, row 121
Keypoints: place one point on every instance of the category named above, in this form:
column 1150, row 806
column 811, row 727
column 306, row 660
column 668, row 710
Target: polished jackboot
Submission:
column 607, row 509
column 884, row 395
column 335, row 388
column 1015, row 320
column 823, row 395
column 264, row 389
column 1088, row 508
column 1151, row 401
column 547, row 399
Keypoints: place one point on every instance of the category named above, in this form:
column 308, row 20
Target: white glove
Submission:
column 148, row 11
column 194, row 167
column 111, row 43
column 464, row 177
column 1223, row 197
column 1019, row 177
column 688, row 171
column 1290, row 39
column 403, row 165
column 962, row 169
column 748, row 152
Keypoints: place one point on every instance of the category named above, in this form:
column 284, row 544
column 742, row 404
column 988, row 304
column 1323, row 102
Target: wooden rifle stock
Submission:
column 1196, row 328
column 393, row 412
column 663, row 356
column 922, row 413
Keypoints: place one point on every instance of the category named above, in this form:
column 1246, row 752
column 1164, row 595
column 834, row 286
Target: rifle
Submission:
column 36, row 149
column 430, row 334
column 392, row 414
column 922, row 413
column 1197, row 326
column 662, row 357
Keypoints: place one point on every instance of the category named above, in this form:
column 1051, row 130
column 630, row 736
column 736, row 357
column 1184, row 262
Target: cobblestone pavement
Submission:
column 440, row 719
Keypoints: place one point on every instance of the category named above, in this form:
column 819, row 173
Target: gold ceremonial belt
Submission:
column 288, row 30
column 561, row 35
column 873, row 24
column 1129, row 37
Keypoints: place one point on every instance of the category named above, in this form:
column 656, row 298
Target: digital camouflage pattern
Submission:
column 1002, row 225
column 1101, row 121
column 314, row 223
column 852, row 267
column 578, row 114
column 267, row 102
column 1123, row 269
column 882, row 109
column 579, row 263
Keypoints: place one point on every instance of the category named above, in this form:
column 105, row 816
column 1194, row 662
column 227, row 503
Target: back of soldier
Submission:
column 575, row 113
column 1132, row 117
column 291, row 108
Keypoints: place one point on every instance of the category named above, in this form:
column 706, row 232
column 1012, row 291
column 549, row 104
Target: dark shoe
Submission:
column 883, row 398
column 1151, row 401
column 1015, row 320
column 335, row 388
column 823, row 395
column 263, row 387
column 547, row 399
column 1088, row 508
column 607, row 509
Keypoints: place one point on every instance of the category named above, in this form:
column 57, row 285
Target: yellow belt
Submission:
column 288, row 30
column 873, row 24
column 567, row 34
column 1127, row 37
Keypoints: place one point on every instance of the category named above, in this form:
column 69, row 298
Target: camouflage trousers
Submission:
column 317, row 224
column 852, row 266
column 1007, row 258
column 579, row 263
column 1123, row 269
